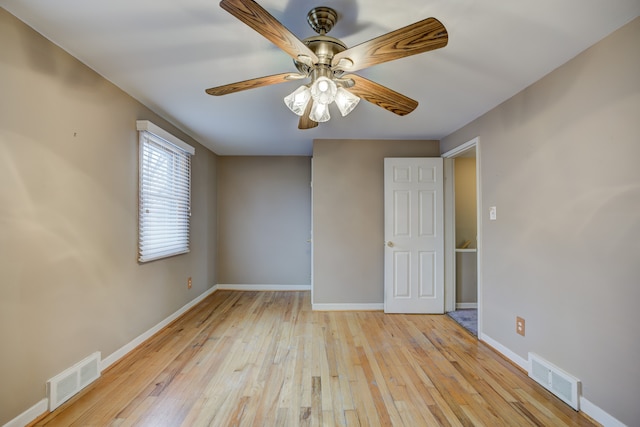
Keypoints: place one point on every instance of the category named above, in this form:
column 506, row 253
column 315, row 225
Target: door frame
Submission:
column 450, row 222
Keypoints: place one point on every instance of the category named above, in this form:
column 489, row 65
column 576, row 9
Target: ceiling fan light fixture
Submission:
column 346, row 101
column 319, row 112
column 297, row 100
column 323, row 90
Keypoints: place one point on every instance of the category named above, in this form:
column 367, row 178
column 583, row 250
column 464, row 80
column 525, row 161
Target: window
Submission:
column 164, row 193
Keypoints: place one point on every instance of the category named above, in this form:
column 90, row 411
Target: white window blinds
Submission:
column 164, row 194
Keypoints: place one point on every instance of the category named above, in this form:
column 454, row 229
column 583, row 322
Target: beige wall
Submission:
column 466, row 277
column 348, row 216
column 466, row 210
column 69, row 280
column 560, row 163
column 265, row 220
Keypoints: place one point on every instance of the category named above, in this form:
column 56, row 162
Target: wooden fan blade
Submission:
column 381, row 96
column 252, row 14
column 252, row 83
column 305, row 122
column 423, row 36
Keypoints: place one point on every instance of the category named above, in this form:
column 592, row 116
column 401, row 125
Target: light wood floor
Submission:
column 266, row 359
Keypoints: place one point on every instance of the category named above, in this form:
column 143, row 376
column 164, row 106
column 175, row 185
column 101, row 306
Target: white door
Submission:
column 414, row 235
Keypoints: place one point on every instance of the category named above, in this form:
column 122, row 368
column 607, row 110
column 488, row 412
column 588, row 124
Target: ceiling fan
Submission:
column 329, row 63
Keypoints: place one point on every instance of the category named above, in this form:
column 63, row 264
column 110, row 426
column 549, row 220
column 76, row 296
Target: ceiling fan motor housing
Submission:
column 321, row 19
column 325, row 47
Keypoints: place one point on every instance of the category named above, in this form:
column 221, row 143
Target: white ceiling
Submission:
column 165, row 53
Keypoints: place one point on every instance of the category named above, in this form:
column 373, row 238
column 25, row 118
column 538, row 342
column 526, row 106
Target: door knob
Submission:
column 390, row 244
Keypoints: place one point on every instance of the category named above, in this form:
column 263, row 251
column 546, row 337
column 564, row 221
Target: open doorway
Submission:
column 463, row 247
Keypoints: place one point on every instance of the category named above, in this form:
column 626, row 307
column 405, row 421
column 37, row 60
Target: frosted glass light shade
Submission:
column 297, row 100
column 319, row 112
column 323, row 90
column 346, row 101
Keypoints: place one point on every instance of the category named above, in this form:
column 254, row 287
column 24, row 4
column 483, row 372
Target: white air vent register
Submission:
column 554, row 379
column 64, row 385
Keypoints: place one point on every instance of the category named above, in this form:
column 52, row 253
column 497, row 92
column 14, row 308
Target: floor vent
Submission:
column 554, row 379
column 66, row 384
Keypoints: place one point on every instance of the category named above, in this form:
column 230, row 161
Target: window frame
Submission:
column 168, row 189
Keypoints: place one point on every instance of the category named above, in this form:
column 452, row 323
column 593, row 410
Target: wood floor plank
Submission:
column 267, row 359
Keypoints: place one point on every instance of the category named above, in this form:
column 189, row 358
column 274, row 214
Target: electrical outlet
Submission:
column 520, row 325
column 189, row 283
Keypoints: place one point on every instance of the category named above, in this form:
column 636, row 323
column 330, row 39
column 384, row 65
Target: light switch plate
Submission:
column 493, row 213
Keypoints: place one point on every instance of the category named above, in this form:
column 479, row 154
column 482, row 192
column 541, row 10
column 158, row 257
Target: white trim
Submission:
column 466, row 305
column 312, row 278
column 523, row 363
column 598, row 414
column 264, row 288
column 479, row 265
column 449, row 234
column 147, row 126
column 348, row 307
column 30, row 415
column 461, row 148
column 122, row 351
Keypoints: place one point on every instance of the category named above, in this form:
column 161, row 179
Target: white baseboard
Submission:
column 585, row 406
column 121, row 352
column 264, row 287
column 29, row 415
column 348, row 307
column 466, row 305
column 598, row 414
column 523, row 363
